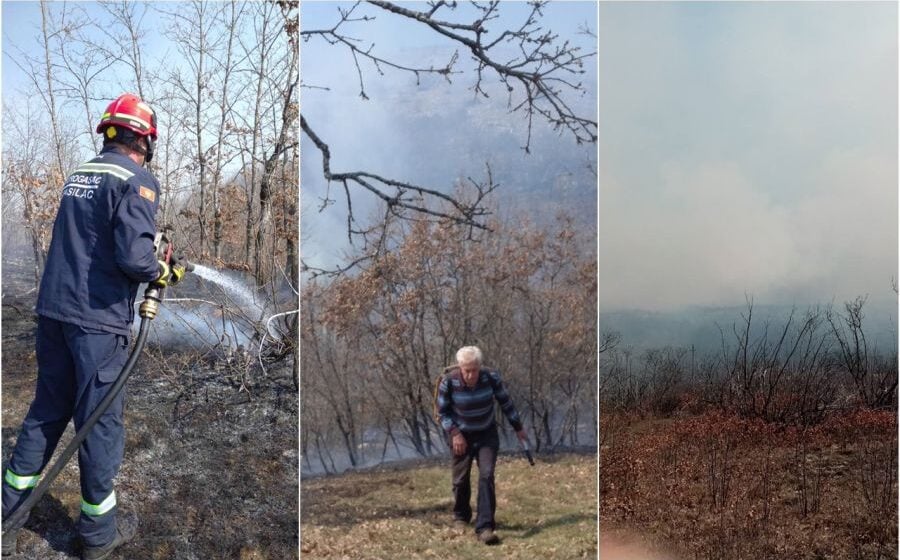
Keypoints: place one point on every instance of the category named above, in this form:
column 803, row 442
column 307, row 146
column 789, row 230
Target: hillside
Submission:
column 193, row 441
column 545, row 511
column 699, row 326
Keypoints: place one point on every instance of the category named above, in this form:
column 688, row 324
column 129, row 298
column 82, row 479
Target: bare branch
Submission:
column 400, row 195
column 536, row 74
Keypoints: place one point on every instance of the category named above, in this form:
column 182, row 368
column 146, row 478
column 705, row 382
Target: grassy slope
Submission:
column 545, row 511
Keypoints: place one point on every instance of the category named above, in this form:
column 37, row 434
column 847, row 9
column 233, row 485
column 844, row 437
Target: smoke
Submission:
column 199, row 326
column 747, row 148
column 428, row 130
column 712, row 234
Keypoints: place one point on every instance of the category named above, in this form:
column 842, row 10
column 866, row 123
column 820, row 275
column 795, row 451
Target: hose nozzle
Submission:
column 150, row 306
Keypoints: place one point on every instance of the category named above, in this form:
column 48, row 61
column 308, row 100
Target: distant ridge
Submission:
column 697, row 325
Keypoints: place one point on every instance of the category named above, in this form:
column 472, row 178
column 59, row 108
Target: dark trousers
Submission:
column 76, row 368
column 481, row 446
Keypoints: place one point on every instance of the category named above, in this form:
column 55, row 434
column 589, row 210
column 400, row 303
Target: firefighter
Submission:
column 465, row 403
column 100, row 252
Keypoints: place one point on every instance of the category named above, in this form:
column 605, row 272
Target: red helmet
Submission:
column 130, row 112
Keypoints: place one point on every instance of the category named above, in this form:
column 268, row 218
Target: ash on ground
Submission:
column 211, row 461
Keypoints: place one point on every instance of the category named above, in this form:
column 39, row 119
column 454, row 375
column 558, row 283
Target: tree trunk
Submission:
column 201, row 156
column 54, row 122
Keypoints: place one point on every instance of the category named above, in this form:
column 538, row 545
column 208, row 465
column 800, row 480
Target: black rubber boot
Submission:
column 126, row 528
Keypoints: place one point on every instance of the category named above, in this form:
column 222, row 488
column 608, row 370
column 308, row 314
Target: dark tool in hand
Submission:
column 526, row 449
column 148, row 311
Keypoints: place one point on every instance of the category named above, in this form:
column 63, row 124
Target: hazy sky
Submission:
column 433, row 132
column 21, row 31
column 747, row 147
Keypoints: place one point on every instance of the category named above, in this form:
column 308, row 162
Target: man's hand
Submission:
column 523, row 439
column 459, row 444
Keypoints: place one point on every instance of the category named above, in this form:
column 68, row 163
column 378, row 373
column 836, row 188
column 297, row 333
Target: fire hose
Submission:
column 147, row 311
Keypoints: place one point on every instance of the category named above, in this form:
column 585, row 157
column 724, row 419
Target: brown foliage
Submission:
column 524, row 294
column 722, row 486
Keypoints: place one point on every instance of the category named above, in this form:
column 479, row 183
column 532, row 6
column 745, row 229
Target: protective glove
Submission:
column 165, row 274
column 178, row 268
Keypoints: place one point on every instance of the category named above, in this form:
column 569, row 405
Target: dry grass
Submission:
column 545, row 511
column 715, row 486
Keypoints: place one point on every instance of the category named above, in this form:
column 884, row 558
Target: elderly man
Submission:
column 465, row 403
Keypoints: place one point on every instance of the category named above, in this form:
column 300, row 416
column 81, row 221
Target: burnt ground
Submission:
column 211, row 461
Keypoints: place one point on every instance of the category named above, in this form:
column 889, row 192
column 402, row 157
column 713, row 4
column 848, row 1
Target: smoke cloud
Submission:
column 747, row 148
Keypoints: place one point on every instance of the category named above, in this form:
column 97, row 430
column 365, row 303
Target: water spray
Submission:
column 247, row 300
column 148, row 310
column 243, row 297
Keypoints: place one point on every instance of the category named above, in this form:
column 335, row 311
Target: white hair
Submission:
column 468, row 355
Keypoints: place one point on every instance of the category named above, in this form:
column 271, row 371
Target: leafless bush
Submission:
column 874, row 375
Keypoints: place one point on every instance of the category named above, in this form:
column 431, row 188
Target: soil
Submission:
column 618, row 544
column 211, row 460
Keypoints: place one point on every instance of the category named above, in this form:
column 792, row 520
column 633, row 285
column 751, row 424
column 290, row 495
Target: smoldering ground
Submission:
column 198, row 427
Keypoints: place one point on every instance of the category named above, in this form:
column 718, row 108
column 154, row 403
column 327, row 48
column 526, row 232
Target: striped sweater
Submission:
column 471, row 409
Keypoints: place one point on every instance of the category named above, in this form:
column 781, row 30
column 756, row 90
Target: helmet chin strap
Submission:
column 146, row 151
column 133, row 142
column 151, row 147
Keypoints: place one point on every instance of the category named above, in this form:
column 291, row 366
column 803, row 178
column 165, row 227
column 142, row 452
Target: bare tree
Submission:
column 229, row 21
column 33, row 178
column 29, row 179
column 288, row 111
column 536, row 70
column 192, row 31
column 874, row 379
column 125, row 40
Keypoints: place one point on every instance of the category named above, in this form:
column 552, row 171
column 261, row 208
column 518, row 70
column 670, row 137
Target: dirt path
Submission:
column 618, row 544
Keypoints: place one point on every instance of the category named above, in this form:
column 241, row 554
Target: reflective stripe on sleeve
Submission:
column 101, row 508
column 21, row 482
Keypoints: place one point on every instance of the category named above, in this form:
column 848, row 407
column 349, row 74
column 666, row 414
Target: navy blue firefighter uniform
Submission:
column 101, row 250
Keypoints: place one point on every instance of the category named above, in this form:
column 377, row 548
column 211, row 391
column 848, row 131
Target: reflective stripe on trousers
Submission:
column 20, row 482
column 101, row 508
